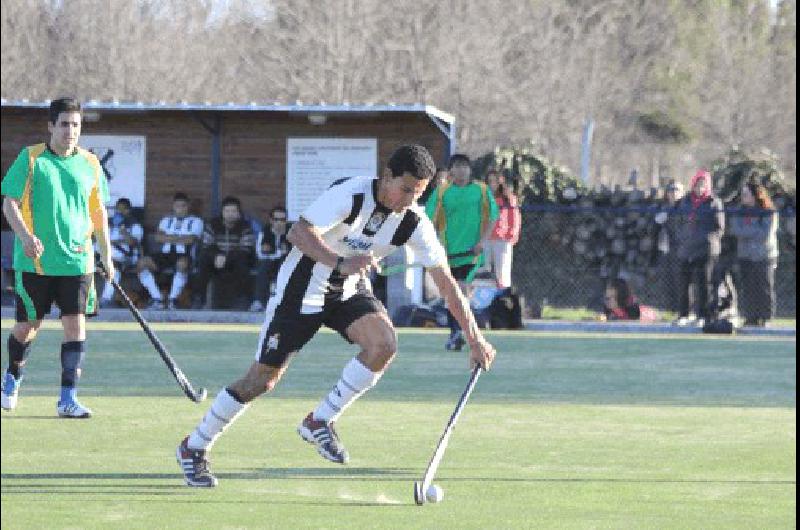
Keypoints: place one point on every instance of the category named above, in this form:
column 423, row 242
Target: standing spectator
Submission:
column 702, row 224
column 499, row 248
column 126, row 240
column 178, row 235
column 669, row 264
column 464, row 214
column 756, row 231
column 271, row 249
column 227, row 255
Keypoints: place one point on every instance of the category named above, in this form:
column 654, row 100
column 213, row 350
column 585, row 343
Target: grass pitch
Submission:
column 579, row 431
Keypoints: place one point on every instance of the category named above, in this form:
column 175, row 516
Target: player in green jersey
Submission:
column 54, row 201
column 464, row 212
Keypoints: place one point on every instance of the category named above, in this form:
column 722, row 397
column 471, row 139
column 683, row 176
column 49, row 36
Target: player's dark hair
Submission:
column 412, row 159
column 180, row 196
column 57, row 106
column 227, row 201
column 458, row 158
column 126, row 201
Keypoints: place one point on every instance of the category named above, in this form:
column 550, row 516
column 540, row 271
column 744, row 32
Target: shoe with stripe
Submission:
column 455, row 342
column 72, row 409
column 10, row 391
column 324, row 437
column 195, row 466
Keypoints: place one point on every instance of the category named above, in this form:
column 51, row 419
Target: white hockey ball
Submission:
column 435, row 493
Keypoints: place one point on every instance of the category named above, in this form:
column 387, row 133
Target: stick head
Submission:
column 419, row 495
column 201, row 396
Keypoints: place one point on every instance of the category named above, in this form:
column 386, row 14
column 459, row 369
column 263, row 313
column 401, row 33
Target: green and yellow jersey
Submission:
column 60, row 199
column 461, row 214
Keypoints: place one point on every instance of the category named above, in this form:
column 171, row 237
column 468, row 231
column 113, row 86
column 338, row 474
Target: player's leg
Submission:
column 363, row 321
column 179, row 280
column 147, row 266
column 456, row 340
column 33, row 296
column 272, row 359
column 76, row 298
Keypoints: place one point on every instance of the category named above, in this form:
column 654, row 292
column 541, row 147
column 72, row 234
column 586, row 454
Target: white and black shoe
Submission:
column 324, row 437
column 10, row 391
column 195, row 466
column 455, row 342
column 72, row 409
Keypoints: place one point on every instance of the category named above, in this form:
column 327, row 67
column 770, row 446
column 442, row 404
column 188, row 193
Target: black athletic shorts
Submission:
column 461, row 272
column 35, row 294
column 284, row 334
column 167, row 263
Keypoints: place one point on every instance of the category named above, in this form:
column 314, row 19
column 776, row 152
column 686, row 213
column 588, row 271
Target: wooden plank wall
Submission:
column 253, row 154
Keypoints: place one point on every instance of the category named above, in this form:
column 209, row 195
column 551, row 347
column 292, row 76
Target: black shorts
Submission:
column 167, row 263
column 35, row 294
column 284, row 334
column 461, row 272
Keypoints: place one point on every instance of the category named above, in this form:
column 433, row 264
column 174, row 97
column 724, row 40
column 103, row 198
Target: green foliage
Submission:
column 536, row 179
column 737, row 166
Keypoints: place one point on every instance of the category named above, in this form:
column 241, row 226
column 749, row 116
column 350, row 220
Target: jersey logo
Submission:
column 272, row 342
column 357, row 244
column 374, row 223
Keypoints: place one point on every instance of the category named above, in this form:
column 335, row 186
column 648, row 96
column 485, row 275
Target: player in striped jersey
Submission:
column 323, row 280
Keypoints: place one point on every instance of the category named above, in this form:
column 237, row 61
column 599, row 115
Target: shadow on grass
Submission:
column 371, row 473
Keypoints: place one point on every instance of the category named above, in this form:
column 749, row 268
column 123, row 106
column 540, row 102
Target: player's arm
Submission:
column 308, row 240
column 481, row 352
column 30, row 243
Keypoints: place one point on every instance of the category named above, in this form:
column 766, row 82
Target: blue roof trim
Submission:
column 250, row 107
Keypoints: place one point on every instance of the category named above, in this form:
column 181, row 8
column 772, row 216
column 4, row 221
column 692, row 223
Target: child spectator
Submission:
column 499, row 249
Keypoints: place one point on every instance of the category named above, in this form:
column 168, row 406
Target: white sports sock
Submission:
column 178, row 282
column 149, row 282
column 356, row 380
column 224, row 411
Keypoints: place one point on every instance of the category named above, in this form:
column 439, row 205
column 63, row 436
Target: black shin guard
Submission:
column 72, row 354
column 17, row 353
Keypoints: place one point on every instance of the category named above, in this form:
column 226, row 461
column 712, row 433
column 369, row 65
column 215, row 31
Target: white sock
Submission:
column 149, row 282
column 223, row 412
column 178, row 282
column 356, row 380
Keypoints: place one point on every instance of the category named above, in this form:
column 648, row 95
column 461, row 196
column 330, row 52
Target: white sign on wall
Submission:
column 123, row 159
column 313, row 164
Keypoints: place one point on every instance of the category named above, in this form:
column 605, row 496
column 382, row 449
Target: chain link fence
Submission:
column 567, row 254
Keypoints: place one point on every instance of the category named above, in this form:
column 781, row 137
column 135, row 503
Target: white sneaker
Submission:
column 699, row 323
column 682, row 322
column 256, row 306
column 10, row 391
column 72, row 409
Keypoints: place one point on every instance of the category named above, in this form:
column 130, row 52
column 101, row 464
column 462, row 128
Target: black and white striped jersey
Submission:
column 351, row 222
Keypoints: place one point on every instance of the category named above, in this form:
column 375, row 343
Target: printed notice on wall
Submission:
column 313, row 164
column 123, row 160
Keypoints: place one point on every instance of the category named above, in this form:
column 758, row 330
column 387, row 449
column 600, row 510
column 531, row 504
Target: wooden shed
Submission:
column 212, row 151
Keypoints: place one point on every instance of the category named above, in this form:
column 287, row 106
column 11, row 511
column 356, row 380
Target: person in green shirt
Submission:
column 54, row 201
column 464, row 212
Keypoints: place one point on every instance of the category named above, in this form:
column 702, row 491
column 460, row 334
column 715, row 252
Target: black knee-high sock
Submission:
column 17, row 353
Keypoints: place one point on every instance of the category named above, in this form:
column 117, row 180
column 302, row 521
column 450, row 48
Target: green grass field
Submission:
column 577, row 431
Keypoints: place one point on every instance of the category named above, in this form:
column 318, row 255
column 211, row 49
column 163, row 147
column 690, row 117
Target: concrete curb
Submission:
column 245, row 317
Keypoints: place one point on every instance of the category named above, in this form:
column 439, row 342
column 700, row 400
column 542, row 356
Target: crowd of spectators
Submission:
column 712, row 259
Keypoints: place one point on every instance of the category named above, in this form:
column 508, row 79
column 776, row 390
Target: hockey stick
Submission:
column 183, row 382
column 401, row 267
column 421, row 487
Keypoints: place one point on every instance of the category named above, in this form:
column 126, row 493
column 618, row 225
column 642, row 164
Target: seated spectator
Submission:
column 125, row 234
column 621, row 304
column 756, row 230
column 177, row 237
column 271, row 249
column 499, row 248
column 227, row 255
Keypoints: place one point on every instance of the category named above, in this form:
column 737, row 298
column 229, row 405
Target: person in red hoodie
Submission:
column 499, row 249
